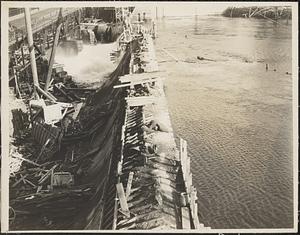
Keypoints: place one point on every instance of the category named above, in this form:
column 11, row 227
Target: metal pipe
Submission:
column 31, row 50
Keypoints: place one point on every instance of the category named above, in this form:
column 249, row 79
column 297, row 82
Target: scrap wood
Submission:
column 126, row 221
column 29, row 182
column 80, row 89
column 18, row 181
column 44, row 177
column 42, row 149
column 26, row 160
column 59, row 88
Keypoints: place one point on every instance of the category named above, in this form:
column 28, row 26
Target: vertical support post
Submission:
column 187, row 168
column 114, row 226
column 194, row 208
column 189, row 182
column 31, row 50
column 119, row 168
column 66, row 27
column 79, row 20
column 22, row 54
column 51, row 62
column 16, row 83
column 185, row 160
column 276, row 13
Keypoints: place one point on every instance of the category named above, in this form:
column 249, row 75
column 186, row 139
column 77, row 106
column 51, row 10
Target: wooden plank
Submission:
column 140, row 103
column 123, row 200
column 135, row 98
column 44, row 177
column 137, row 77
column 183, row 158
column 21, row 179
column 136, row 83
column 26, row 160
column 16, row 83
column 48, row 95
column 188, row 182
column 129, row 183
column 186, row 223
column 194, row 208
column 187, row 171
column 119, row 169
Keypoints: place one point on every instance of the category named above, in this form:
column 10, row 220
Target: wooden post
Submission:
column 276, row 13
column 122, row 199
column 114, row 227
column 187, row 170
column 189, row 182
column 129, row 183
column 51, row 62
column 182, row 158
column 31, row 49
column 184, row 161
column 16, row 83
column 22, row 54
column 186, row 224
column 48, row 95
column 119, row 168
column 195, row 208
column 123, row 132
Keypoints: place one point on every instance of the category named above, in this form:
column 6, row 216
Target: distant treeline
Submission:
column 259, row 12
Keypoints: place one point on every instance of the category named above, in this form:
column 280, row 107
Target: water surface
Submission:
column 235, row 115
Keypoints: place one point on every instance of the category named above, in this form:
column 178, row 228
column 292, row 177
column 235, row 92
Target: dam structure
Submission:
column 105, row 158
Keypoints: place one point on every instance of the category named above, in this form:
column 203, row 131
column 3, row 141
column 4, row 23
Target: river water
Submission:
column 235, row 115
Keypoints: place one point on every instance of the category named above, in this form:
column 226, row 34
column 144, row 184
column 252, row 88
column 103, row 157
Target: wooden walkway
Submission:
column 154, row 187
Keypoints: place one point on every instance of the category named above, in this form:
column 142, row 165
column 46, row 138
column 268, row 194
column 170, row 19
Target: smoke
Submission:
column 91, row 66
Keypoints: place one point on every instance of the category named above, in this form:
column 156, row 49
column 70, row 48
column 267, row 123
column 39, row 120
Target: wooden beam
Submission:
column 140, row 102
column 136, row 83
column 16, row 83
column 26, row 160
column 129, row 183
column 123, row 200
column 31, row 49
column 137, row 77
column 137, row 98
column 185, row 218
column 49, row 96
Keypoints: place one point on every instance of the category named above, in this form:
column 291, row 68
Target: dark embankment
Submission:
column 96, row 150
column 258, row 12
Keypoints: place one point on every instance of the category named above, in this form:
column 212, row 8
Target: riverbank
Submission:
column 259, row 12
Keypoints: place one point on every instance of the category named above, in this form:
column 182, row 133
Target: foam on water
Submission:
column 91, row 65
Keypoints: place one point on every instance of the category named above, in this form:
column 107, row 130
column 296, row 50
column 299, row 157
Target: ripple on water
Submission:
column 235, row 119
